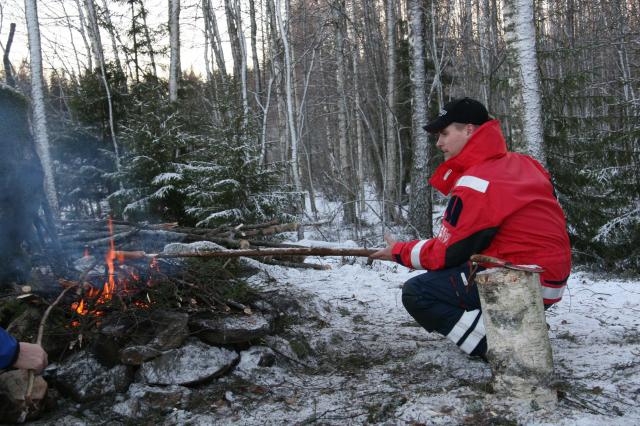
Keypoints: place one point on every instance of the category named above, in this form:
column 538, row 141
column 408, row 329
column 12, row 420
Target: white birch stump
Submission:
column 519, row 350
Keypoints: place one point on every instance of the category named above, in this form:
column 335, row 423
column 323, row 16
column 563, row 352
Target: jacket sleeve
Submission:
column 9, row 349
column 470, row 223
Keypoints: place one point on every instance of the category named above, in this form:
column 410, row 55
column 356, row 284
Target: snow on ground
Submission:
column 353, row 355
column 361, row 358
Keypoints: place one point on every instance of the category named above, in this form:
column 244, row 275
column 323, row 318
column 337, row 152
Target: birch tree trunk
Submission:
column 37, row 98
column 174, row 42
column 519, row 350
column 524, row 78
column 437, row 80
column 243, row 66
column 76, row 56
column 257, row 77
column 112, row 35
column 483, row 37
column 344, row 162
column 288, row 85
column 391, row 148
column 420, row 208
column 232, row 30
column 355, row 58
column 8, row 71
column 277, row 71
column 214, row 35
column 83, row 33
column 96, row 43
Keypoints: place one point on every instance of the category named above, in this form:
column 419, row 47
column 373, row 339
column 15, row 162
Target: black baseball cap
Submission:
column 465, row 111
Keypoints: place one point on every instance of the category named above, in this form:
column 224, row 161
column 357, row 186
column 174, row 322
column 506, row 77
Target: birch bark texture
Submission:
column 420, row 209
column 391, row 150
column 524, row 77
column 174, row 42
column 519, row 350
column 293, row 131
column 37, row 98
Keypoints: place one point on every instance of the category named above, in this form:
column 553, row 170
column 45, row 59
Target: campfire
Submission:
column 145, row 299
column 123, row 282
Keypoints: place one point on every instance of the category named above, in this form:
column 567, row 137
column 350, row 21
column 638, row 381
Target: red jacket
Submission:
column 503, row 205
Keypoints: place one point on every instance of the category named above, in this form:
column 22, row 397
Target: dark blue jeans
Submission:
column 447, row 302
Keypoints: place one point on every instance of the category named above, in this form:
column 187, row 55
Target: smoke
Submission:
column 21, row 190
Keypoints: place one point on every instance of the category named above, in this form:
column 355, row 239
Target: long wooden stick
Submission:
column 298, row 251
column 31, row 374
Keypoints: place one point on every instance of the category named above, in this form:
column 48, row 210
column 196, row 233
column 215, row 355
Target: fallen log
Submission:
column 300, row 251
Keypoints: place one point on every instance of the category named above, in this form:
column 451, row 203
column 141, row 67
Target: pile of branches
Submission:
column 94, row 236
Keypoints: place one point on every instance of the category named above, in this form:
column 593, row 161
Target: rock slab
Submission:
column 84, row 379
column 231, row 329
column 193, row 363
column 13, row 386
column 144, row 400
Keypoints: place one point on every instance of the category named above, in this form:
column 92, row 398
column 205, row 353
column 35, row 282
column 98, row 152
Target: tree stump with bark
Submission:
column 519, row 350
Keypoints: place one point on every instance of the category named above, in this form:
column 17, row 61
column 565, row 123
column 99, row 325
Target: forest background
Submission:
column 236, row 111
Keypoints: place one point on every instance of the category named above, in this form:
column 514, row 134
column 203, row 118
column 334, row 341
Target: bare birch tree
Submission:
column 37, row 98
column 357, row 118
column 112, row 35
column 420, row 208
column 391, row 148
column 96, row 43
column 244, row 86
column 211, row 25
column 174, row 42
column 83, row 33
column 524, row 79
column 288, row 85
column 257, row 75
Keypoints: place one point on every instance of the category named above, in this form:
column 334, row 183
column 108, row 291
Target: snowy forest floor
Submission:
column 353, row 355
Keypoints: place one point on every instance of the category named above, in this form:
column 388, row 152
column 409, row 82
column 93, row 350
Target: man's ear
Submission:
column 470, row 128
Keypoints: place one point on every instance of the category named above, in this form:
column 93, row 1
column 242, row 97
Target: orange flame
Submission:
column 110, row 286
column 79, row 307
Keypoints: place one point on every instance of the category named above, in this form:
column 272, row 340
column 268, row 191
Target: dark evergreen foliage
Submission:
column 192, row 162
column 593, row 152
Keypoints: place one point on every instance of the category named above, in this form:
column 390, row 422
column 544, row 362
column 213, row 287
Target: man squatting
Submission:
column 502, row 205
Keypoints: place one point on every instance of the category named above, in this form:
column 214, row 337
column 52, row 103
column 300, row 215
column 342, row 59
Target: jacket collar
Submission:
column 486, row 142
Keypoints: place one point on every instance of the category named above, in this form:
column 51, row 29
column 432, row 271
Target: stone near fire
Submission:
column 70, row 420
column 254, row 358
column 167, row 330
column 172, row 330
column 137, row 355
column 115, row 332
column 143, row 400
column 13, row 386
column 231, row 328
column 193, row 363
column 84, row 379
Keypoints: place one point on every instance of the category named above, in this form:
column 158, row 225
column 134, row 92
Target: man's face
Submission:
column 453, row 138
